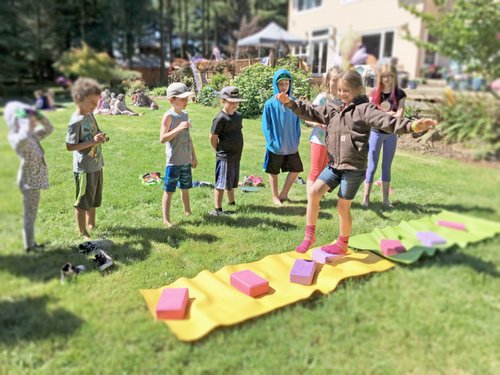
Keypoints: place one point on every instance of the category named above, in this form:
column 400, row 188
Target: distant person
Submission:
column 216, row 55
column 281, row 130
column 181, row 157
column 120, row 108
column 41, row 101
column 27, row 127
column 389, row 98
column 226, row 137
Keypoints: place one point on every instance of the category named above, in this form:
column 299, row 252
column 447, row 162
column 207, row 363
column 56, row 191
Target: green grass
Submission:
column 440, row 315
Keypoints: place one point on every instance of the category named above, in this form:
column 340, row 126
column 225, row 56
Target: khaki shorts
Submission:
column 88, row 190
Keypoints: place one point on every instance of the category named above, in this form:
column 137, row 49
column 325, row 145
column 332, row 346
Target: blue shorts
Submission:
column 348, row 180
column 227, row 174
column 178, row 175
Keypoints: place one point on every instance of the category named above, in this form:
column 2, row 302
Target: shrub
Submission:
column 208, row 96
column 255, row 84
column 472, row 119
column 133, row 85
column 218, row 81
column 411, row 112
column 158, row 91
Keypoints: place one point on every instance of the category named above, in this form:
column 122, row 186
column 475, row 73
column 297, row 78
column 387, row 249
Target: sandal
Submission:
column 156, row 175
column 258, row 181
column 147, row 179
column 248, row 181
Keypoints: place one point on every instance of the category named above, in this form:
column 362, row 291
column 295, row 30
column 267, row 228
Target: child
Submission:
column 281, row 129
column 227, row 140
column 181, row 157
column 84, row 139
column 120, row 108
column 24, row 137
column 388, row 97
column 347, row 142
column 319, row 152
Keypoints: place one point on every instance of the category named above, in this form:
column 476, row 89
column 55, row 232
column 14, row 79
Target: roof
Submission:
column 269, row 36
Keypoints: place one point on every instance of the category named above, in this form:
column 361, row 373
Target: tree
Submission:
column 86, row 62
column 466, row 33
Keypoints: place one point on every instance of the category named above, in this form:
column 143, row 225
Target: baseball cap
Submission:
column 178, row 90
column 231, row 94
column 283, row 76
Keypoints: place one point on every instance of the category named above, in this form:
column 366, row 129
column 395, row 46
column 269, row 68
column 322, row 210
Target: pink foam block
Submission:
column 303, row 272
column 391, row 247
column 452, row 224
column 430, row 239
column 172, row 303
column 249, row 283
column 323, row 257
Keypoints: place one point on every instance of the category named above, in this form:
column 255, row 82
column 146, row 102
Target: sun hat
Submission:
column 231, row 94
column 178, row 90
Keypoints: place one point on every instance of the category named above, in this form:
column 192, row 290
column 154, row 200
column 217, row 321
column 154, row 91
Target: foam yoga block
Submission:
column 172, row 303
column 323, row 257
column 391, row 247
column 451, row 224
column 303, row 272
column 430, row 239
column 249, row 283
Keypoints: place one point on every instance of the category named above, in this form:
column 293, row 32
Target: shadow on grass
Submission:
column 43, row 266
column 455, row 257
column 244, row 222
column 284, row 210
column 127, row 252
column 29, row 319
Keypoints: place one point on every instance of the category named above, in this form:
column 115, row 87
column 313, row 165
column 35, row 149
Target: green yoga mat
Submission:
column 406, row 232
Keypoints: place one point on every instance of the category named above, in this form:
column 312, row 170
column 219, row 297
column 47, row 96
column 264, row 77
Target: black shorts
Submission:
column 227, row 174
column 273, row 163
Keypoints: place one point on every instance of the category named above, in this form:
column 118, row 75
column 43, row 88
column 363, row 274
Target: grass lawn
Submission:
column 440, row 315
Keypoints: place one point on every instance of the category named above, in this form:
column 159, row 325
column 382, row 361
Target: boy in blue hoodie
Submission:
column 281, row 129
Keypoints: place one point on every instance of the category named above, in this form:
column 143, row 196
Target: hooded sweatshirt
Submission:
column 280, row 126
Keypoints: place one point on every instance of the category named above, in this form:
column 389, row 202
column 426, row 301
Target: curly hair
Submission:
column 84, row 87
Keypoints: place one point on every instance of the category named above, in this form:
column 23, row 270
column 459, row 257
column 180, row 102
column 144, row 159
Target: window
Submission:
column 301, row 5
column 379, row 44
column 319, row 55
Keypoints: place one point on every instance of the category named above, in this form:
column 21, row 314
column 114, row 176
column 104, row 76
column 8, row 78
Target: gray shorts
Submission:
column 88, row 190
column 349, row 181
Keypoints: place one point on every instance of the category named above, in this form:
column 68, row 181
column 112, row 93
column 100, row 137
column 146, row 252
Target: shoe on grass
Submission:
column 216, row 212
column 36, row 248
column 103, row 260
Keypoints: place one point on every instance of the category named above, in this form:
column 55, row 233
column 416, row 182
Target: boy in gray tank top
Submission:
column 179, row 147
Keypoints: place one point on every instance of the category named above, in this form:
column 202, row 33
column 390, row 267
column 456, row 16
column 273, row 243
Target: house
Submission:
column 381, row 24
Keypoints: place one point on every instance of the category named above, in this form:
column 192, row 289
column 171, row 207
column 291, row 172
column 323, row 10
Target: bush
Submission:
column 134, row 85
column 218, row 81
column 255, row 84
column 208, row 96
column 470, row 119
column 412, row 112
column 158, row 91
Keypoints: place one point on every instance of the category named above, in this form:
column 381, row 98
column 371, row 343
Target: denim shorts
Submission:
column 177, row 175
column 349, row 181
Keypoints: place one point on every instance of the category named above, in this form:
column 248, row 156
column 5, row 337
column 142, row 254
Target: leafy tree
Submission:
column 466, row 33
column 86, row 62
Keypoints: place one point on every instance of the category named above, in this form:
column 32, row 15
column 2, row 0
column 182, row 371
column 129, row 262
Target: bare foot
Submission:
column 168, row 224
column 277, row 202
column 90, row 227
column 365, row 203
column 387, row 206
column 187, row 213
column 86, row 236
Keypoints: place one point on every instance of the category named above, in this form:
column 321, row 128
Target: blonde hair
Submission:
column 84, row 87
column 334, row 71
column 376, row 96
column 352, row 79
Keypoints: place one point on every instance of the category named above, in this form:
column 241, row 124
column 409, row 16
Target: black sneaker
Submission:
column 216, row 212
column 103, row 260
column 36, row 248
column 88, row 248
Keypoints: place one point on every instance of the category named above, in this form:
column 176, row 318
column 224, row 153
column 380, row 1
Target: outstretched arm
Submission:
column 306, row 111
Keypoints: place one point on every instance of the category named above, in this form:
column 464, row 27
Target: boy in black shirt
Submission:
column 227, row 140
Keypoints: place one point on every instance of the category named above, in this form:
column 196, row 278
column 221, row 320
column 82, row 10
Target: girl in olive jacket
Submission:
column 348, row 132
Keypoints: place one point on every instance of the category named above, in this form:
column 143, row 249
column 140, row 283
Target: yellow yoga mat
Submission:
column 214, row 302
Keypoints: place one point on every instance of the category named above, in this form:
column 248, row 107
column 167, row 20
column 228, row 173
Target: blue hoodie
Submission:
column 280, row 126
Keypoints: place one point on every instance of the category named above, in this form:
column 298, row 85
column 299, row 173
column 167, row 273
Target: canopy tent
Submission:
column 269, row 37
